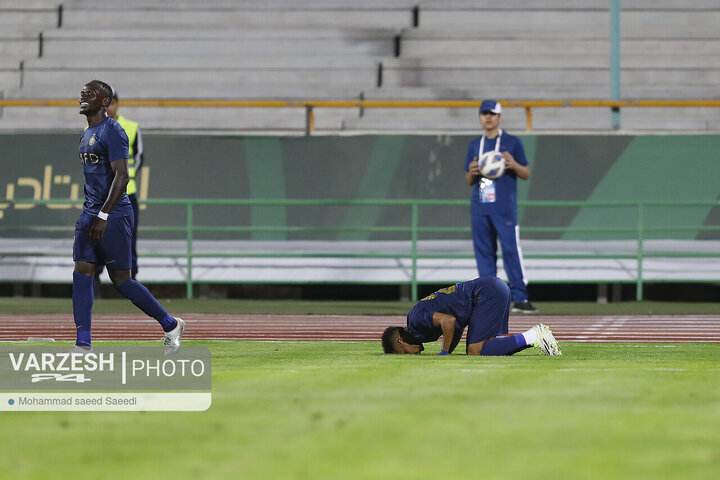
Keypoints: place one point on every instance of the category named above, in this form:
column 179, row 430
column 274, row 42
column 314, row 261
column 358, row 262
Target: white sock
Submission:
column 530, row 336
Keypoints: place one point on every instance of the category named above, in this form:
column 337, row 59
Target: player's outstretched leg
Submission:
column 504, row 345
column 539, row 336
column 144, row 300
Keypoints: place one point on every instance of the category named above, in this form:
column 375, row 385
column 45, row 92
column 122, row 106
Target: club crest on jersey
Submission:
column 91, row 142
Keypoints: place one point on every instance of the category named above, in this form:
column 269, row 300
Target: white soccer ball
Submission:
column 492, row 164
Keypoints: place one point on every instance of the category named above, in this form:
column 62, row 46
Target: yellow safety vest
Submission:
column 131, row 130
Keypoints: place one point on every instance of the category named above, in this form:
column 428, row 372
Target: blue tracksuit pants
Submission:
column 486, row 230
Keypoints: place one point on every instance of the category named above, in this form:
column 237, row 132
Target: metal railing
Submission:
column 311, row 106
column 414, row 230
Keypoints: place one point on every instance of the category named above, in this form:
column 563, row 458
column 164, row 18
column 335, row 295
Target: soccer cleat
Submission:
column 172, row 338
column 84, row 349
column 546, row 341
column 524, row 307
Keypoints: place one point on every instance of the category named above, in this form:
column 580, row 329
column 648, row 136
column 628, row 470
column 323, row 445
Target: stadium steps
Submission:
column 18, row 43
column 319, row 49
column 214, row 14
column 27, row 15
column 229, row 120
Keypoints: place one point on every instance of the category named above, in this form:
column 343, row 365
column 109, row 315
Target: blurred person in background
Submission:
column 135, row 163
column 493, row 206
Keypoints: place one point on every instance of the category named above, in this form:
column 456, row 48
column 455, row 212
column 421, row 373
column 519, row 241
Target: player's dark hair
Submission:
column 409, row 338
column 104, row 86
column 387, row 338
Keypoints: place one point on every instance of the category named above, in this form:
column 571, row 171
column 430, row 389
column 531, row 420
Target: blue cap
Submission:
column 490, row 106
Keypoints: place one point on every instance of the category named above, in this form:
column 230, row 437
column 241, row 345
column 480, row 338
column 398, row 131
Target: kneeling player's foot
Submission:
column 173, row 337
column 84, row 349
column 546, row 341
column 524, row 307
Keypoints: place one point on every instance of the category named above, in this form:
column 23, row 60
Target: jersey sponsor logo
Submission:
column 86, row 158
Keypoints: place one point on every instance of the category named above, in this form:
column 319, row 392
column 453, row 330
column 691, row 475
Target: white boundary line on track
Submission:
column 639, row 328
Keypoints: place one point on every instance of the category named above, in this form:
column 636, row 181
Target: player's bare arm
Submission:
column 117, row 189
column 456, row 339
column 447, row 325
column 522, row 171
column 473, row 173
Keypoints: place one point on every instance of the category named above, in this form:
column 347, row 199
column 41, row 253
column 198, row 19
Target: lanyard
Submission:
column 482, row 143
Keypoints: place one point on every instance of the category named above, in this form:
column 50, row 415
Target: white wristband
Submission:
column 102, row 215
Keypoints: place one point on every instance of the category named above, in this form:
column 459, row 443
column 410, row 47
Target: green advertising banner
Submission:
column 596, row 168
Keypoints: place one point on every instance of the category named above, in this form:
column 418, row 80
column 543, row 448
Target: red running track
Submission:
column 664, row 328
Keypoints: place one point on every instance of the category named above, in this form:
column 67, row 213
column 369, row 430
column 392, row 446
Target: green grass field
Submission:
column 336, row 410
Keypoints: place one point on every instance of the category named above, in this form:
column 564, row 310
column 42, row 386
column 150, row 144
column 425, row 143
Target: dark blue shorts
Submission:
column 115, row 249
column 490, row 314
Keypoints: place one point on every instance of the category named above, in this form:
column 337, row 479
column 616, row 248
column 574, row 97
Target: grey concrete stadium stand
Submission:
column 21, row 44
column 329, row 49
column 9, row 71
column 332, row 49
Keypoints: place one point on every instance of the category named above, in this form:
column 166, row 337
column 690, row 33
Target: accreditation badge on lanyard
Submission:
column 487, row 185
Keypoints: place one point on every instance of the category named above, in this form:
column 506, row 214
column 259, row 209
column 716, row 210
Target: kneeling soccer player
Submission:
column 483, row 306
column 103, row 232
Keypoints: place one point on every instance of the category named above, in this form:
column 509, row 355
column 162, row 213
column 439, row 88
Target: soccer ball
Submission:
column 492, row 164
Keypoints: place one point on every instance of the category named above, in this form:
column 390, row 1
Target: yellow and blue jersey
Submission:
column 100, row 145
column 482, row 305
column 458, row 300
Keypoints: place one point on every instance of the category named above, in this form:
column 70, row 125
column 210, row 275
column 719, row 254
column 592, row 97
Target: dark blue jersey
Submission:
column 505, row 194
column 100, row 145
column 457, row 300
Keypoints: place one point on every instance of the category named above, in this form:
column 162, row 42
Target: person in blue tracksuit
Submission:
column 493, row 208
column 482, row 306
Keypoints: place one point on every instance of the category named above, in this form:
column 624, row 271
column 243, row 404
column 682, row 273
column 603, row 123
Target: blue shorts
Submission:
column 490, row 314
column 115, row 249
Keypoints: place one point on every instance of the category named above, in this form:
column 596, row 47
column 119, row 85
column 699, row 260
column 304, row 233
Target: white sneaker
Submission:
column 546, row 341
column 171, row 340
column 84, row 349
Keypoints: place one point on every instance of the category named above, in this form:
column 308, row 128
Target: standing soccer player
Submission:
column 103, row 233
column 493, row 207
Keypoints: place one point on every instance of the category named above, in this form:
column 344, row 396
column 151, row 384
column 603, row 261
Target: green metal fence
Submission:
column 638, row 232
